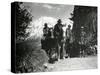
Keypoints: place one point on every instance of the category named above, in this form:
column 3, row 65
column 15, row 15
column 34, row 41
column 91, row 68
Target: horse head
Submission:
column 51, row 32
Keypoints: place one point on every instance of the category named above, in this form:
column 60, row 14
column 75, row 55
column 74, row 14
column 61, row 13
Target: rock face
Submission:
column 87, row 17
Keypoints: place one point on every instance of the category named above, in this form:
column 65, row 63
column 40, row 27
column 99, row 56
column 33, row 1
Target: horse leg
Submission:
column 82, row 51
column 68, row 52
column 50, row 53
column 61, row 51
column 58, row 51
column 67, row 48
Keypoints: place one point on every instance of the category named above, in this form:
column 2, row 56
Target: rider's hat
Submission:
column 59, row 21
column 45, row 24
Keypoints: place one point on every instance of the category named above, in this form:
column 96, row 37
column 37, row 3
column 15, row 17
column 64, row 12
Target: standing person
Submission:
column 58, row 34
column 68, row 37
column 82, row 42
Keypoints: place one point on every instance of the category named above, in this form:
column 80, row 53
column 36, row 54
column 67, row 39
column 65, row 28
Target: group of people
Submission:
column 57, row 33
column 54, row 38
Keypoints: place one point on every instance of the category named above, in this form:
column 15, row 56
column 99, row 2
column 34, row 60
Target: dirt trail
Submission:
column 74, row 64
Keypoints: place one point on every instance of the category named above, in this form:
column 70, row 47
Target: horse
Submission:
column 54, row 46
column 49, row 44
column 70, row 46
column 60, row 37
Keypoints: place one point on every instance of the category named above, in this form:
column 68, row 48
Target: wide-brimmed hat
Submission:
column 59, row 21
column 45, row 24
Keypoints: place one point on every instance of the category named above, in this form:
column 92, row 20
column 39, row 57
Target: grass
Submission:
column 30, row 57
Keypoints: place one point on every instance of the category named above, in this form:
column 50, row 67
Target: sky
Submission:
column 47, row 13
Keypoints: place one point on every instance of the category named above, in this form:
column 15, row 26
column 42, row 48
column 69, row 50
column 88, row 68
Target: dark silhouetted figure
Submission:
column 58, row 34
column 45, row 37
column 45, row 30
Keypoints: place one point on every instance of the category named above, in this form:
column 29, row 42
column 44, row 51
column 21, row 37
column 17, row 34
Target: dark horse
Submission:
column 49, row 44
column 53, row 46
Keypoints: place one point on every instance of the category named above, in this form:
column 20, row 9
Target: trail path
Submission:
column 74, row 64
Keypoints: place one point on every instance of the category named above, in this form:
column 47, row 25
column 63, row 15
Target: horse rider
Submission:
column 58, row 34
column 45, row 30
column 68, row 38
column 45, row 36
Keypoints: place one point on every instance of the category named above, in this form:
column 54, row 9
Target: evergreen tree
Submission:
column 23, row 19
column 87, row 17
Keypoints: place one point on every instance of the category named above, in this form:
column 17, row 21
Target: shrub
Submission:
column 30, row 57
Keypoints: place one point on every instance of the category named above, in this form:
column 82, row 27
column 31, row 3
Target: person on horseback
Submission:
column 58, row 29
column 58, row 34
column 45, row 30
column 45, row 36
column 68, row 37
